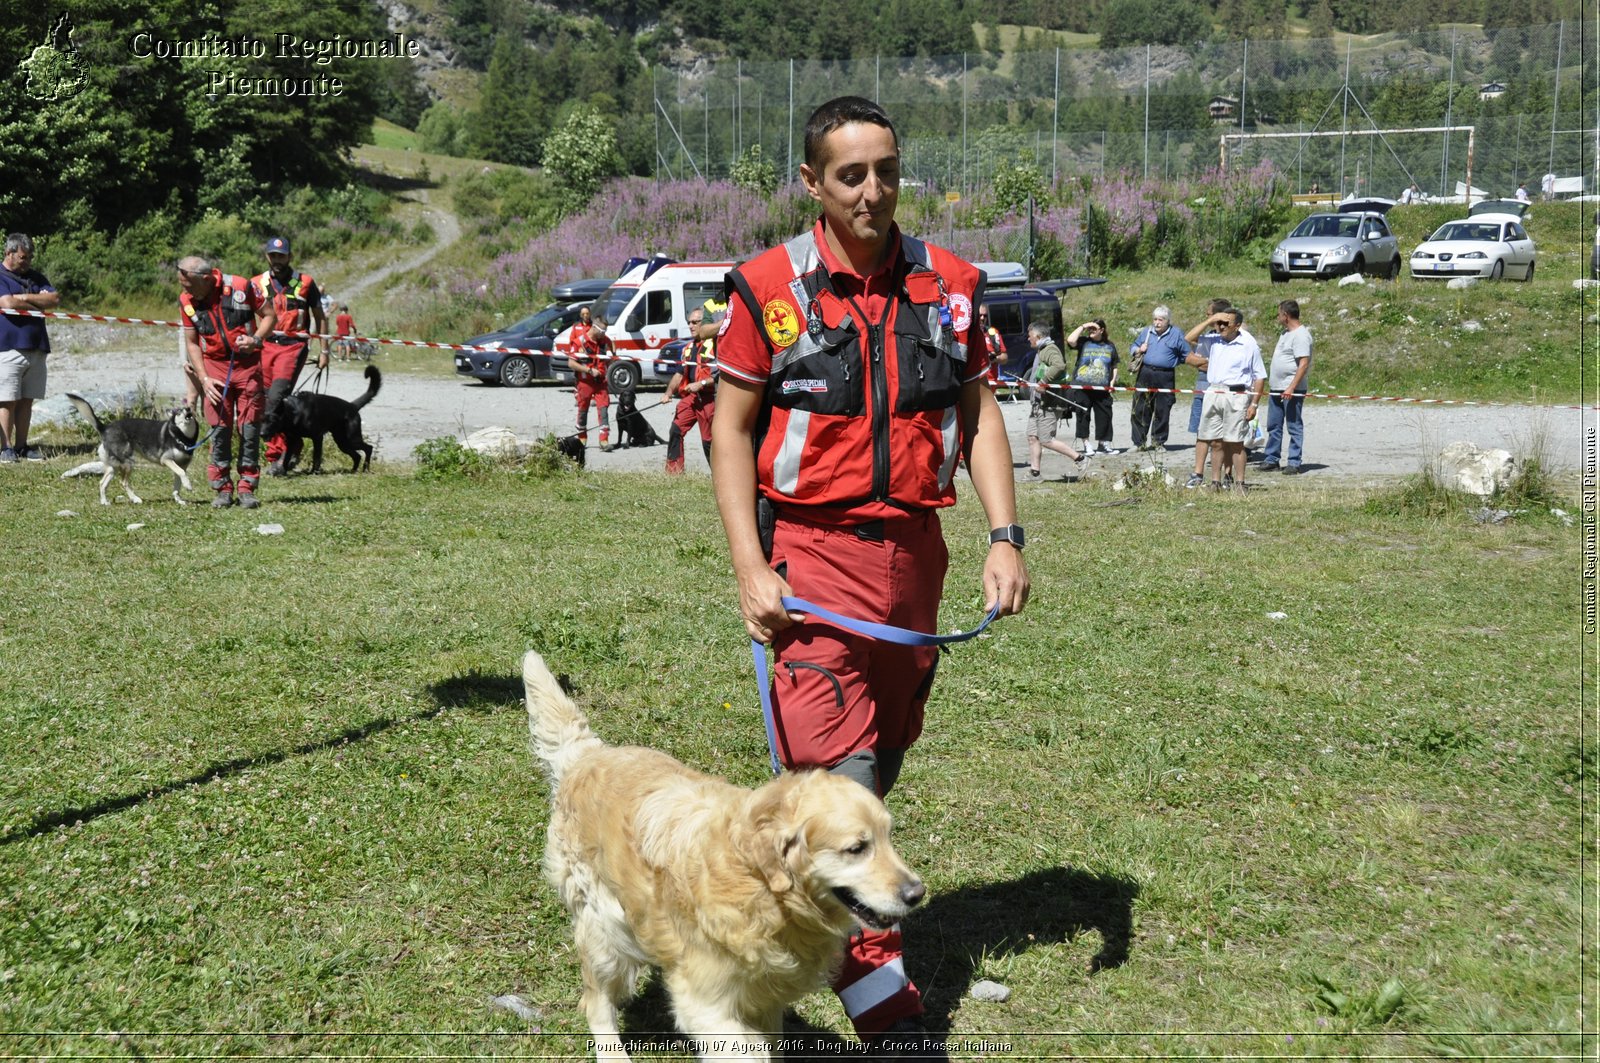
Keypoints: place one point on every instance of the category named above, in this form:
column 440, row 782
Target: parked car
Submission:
column 1354, row 239
column 587, row 290
column 519, row 354
column 1482, row 245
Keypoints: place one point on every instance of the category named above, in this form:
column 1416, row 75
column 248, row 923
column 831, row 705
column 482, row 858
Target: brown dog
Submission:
column 742, row 898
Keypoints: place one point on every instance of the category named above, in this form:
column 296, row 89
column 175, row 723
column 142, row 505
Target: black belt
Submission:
column 871, row 531
column 1238, row 387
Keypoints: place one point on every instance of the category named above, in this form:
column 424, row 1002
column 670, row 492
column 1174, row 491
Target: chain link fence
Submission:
column 1528, row 92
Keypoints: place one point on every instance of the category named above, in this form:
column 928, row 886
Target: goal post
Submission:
column 1429, row 143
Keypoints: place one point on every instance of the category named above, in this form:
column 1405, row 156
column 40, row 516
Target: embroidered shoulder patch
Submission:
column 782, row 322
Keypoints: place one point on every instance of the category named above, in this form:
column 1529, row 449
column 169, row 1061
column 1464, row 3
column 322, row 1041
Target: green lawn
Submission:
column 272, row 794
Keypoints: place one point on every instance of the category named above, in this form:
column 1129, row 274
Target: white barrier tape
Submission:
column 59, row 315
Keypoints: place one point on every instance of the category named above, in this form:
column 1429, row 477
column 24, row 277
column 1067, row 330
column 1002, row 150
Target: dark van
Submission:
column 1013, row 309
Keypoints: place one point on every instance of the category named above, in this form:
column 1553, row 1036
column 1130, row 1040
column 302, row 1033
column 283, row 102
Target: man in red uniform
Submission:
column 225, row 324
column 589, row 360
column 297, row 302
column 695, row 385
column 994, row 344
column 852, row 381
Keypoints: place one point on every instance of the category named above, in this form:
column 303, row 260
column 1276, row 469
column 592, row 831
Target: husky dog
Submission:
column 170, row 442
column 306, row 415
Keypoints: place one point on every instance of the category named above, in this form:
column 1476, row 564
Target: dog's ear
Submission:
column 775, row 844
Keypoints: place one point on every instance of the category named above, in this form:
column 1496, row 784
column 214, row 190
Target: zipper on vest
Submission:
column 880, row 413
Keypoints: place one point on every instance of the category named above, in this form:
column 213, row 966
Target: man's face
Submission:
column 196, row 285
column 20, row 260
column 1158, row 322
column 1229, row 329
column 695, row 320
column 859, row 186
column 278, row 261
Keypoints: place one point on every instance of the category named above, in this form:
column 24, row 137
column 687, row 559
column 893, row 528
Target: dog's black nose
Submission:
column 912, row 893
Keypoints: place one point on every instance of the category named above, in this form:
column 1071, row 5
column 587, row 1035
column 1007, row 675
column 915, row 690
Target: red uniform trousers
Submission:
column 280, row 365
column 594, row 389
column 693, row 409
column 836, row 693
column 240, row 407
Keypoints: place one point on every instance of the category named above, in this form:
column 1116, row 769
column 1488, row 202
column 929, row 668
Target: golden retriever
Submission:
column 742, row 898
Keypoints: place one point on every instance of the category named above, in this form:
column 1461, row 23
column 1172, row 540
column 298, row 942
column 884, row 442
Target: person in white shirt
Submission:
column 1286, row 387
column 1547, row 187
column 1236, row 381
column 1522, row 193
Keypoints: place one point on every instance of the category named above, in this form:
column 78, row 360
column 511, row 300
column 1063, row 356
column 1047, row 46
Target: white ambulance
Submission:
column 645, row 310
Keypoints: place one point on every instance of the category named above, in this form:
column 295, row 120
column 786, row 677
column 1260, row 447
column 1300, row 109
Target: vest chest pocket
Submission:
column 932, row 364
column 821, row 375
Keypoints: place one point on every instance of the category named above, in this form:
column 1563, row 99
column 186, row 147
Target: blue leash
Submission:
column 880, row 632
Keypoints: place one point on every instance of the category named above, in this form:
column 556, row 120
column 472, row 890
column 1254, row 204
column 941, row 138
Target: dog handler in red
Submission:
column 852, row 382
column 225, row 323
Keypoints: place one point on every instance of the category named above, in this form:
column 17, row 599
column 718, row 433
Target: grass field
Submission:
column 271, row 794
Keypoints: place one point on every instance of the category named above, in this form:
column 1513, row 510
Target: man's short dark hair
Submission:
column 841, row 111
column 1235, row 314
column 1217, row 306
column 1291, row 308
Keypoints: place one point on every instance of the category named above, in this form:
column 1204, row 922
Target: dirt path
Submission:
column 1347, row 440
column 447, row 230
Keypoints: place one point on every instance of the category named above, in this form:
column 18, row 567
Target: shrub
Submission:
column 444, row 458
column 751, row 170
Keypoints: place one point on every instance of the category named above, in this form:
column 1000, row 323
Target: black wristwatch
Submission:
column 1011, row 533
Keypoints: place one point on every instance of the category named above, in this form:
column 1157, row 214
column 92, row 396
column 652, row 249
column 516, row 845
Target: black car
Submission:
column 529, row 341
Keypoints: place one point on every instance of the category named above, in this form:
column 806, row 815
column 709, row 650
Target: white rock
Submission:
column 495, row 441
column 65, row 513
column 1471, row 326
column 1352, row 278
column 1277, row 616
column 135, row 527
column 1584, row 282
column 987, row 990
column 1467, row 467
column 269, row 529
column 1460, row 282
column 1119, row 485
column 1344, row 311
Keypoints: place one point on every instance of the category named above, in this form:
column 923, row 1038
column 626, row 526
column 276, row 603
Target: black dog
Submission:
column 632, row 429
column 572, row 447
column 305, row 415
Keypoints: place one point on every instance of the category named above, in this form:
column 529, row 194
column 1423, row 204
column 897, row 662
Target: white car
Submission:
column 1491, row 245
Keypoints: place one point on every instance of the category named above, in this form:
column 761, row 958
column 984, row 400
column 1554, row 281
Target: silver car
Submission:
column 1356, row 239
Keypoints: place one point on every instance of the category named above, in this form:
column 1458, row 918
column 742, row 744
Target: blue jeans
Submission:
column 1279, row 412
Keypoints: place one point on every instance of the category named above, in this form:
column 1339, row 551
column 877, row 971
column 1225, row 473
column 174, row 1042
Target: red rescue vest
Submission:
column 859, row 416
column 292, row 302
column 223, row 319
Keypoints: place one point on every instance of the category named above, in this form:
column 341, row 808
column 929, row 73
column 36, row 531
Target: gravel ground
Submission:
column 1348, row 440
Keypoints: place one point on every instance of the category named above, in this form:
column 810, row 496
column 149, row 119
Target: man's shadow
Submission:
column 946, row 941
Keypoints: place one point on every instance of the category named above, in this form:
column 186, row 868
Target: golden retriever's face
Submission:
column 841, row 857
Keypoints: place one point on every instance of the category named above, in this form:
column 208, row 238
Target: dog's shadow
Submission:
column 946, row 941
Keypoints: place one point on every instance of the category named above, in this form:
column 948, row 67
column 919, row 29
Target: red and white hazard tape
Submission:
column 59, row 315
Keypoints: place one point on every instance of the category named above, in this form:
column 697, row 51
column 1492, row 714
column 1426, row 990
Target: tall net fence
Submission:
column 1529, row 92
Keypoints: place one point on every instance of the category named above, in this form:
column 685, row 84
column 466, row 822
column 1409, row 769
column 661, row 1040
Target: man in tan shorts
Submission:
column 1237, row 379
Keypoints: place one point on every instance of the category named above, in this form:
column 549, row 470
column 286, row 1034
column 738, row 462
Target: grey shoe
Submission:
column 8, row 456
column 1268, row 466
column 1291, row 470
column 223, row 500
column 1195, row 481
column 248, row 500
column 32, row 454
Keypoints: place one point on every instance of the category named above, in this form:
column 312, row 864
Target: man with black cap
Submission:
column 297, row 301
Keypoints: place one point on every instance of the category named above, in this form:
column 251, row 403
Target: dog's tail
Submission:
column 374, row 382
column 86, row 410
column 559, row 730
